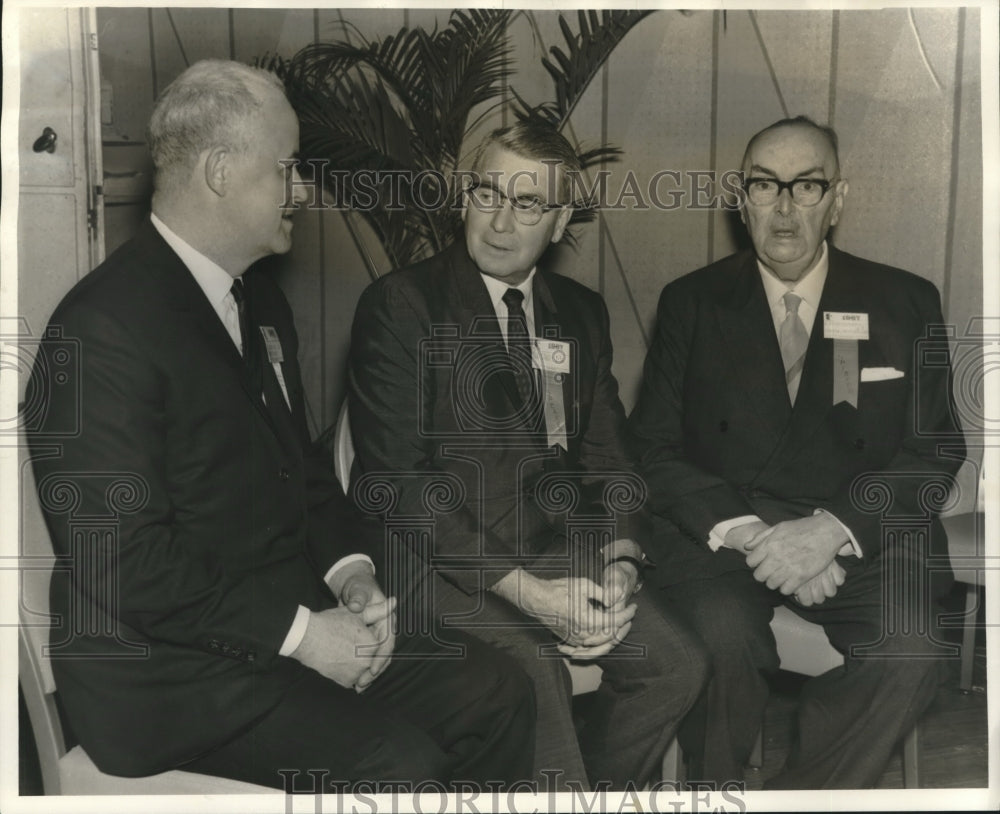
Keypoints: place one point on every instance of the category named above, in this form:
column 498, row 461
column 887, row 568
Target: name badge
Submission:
column 551, row 356
column 844, row 325
column 273, row 344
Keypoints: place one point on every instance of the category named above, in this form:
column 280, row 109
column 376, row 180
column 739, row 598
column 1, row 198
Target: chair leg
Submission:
column 757, row 753
column 673, row 762
column 911, row 759
column 969, row 637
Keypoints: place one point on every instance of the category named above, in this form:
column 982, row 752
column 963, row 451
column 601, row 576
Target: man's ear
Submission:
column 217, row 169
column 562, row 219
column 839, row 193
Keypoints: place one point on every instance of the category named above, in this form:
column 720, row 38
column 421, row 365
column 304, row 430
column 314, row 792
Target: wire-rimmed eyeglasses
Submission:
column 527, row 211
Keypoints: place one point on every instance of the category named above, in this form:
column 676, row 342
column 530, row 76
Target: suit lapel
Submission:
column 193, row 308
column 755, row 365
column 276, row 409
column 477, row 318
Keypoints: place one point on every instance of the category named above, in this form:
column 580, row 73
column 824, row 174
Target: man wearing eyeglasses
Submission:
column 479, row 376
column 781, row 418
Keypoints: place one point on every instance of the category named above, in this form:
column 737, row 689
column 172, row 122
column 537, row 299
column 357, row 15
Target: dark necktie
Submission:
column 519, row 345
column 251, row 357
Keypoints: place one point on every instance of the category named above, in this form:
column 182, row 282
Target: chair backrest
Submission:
column 343, row 448
column 36, row 559
column 967, row 492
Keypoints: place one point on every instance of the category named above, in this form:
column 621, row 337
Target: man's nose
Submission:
column 503, row 218
column 785, row 201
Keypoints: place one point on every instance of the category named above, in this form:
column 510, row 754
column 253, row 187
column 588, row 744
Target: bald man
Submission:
column 782, row 386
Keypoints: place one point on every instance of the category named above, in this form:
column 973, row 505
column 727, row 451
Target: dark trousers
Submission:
column 649, row 682
column 425, row 718
column 851, row 717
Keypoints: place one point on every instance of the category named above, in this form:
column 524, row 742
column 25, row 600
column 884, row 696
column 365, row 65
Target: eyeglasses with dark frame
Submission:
column 527, row 212
column 804, row 191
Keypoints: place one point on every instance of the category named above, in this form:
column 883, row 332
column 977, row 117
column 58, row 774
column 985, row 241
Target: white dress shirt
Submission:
column 214, row 281
column 217, row 284
column 498, row 288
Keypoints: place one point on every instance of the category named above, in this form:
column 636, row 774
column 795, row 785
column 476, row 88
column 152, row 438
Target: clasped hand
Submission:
column 797, row 557
column 362, row 595
column 351, row 644
column 590, row 619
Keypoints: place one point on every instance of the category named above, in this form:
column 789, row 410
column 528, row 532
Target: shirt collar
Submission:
column 214, row 280
column 498, row 288
column 809, row 286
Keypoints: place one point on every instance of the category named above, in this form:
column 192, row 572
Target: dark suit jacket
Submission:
column 717, row 437
column 168, row 629
column 431, row 400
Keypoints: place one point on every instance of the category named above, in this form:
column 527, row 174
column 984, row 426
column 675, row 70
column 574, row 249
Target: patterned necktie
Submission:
column 519, row 345
column 794, row 340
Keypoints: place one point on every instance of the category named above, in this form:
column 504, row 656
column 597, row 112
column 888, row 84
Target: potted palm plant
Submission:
column 384, row 120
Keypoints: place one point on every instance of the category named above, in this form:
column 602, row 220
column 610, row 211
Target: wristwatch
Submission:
column 639, row 565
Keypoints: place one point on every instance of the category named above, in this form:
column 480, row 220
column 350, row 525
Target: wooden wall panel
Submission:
column 126, row 68
column 963, row 290
column 182, row 36
column 257, row 32
column 798, row 46
column 896, row 136
column 659, row 114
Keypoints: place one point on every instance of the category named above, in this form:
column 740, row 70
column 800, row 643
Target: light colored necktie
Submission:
column 794, row 340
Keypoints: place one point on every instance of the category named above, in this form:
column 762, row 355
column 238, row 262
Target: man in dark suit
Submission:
column 785, row 427
column 231, row 623
column 477, row 374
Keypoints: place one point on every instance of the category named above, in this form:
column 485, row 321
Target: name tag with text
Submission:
column 845, row 325
column 552, row 356
column 273, row 344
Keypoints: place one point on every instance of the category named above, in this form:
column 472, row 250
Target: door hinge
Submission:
column 92, row 209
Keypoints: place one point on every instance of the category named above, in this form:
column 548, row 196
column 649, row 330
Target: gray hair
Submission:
column 538, row 141
column 211, row 103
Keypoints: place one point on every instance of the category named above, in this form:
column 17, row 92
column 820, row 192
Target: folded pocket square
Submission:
column 880, row 374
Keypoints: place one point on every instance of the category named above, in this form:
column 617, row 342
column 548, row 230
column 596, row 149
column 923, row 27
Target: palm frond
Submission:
column 572, row 72
column 354, row 124
column 470, row 59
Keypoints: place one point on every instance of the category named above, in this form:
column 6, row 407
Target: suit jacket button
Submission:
column 283, row 473
column 723, row 426
column 859, row 443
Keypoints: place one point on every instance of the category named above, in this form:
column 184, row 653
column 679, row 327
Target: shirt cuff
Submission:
column 852, row 546
column 344, row 561
column 717, row 536
column 295, row 632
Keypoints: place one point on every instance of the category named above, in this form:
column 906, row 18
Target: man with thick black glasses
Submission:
column 783, row 428
column 481, row 376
